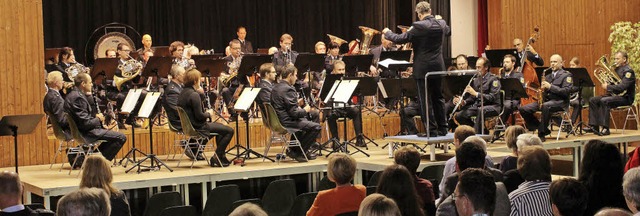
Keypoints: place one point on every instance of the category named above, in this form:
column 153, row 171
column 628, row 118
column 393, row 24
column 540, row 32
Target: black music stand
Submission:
column 496, row 56
column 161, row 51
column 401, row 88
column 197, row 58
column 212, row 68
column 131, row 154
column 305, row 63
column 248, row 96
column 367, row 86
column 104, row 68
column 341, row 146
column 355, row 63
column 395, row 68
column 581, row 79
column 157, row 67
column 18, row 124
column 513, row 90
column 329, row 80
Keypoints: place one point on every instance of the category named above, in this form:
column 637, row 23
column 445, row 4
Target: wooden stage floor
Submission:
column 45, row 182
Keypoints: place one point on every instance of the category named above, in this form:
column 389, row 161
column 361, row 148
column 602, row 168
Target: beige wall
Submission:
column 464, row 27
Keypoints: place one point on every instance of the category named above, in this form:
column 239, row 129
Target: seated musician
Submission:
column 486, row 86
column 575, row 105
column 385, row 45
column 89, row 123
column 461, row 63
column 245, row 45
column 285, row 54
column 146, row 46
column 268, row 74
column 233, row 63
column 189, row 100
column 284, row 100
column 509, row 72
column 558, row 85
column 332, row 55
column 340, row 112
column 600, row 106
column 320, row 48
column 66, row 58
column 110, row 53
column 123, row 53
column 53, row 102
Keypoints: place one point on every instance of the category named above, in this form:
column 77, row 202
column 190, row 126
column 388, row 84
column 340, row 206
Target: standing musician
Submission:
column 285, row 55
column 89, row 123
column 286, row 104
column 485, row 90
column 244, row 44
column 146, row 46
column 189, row 100
column 508, row 72
column 600, row 106
column 53, row 102
column 427, row 35
column 532, row 55
column 557, row 87
column 346, row 111
column 332, row 56
column 233, row 63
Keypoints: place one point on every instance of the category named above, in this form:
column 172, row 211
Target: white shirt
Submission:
column 15, row 208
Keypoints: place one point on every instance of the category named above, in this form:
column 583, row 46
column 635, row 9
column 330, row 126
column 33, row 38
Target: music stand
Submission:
column 400, row 55
column 513, row 90
column 581, row 79
column 127, row 107
column 326, row 87
column 157, row 67
column 496, row 56
column 161, row 51
column 367, row 86
column 399, row 88
column 355, row 63
column 197, row 58
column 305, row 63
column 346, row 89
column 243, row 104
column 18, row 124
column 104, row 68
column 212, row 68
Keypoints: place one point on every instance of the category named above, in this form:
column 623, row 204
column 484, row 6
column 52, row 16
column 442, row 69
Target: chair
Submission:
column 179, row 210
column 279, row 197
column 220, row 200
column 84, row 147
column 160, row 201
column 632, row 114
column 194, row 137
column 302, row 204
column 325, row 184
column 64, row 140
column 499, row 125
column 564, row 122
column 434, row 175
column 276, row 126
column 182, row 142
column 273, row 136
column 238, row 203
column 373, row 181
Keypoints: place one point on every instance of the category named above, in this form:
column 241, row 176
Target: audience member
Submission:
column 378, row 205
column 459, row 135
column 512, row 178
column 469, row 155
column 397, row 183
column 345, row 197
column 248, row 209
column 11, row 195
column 601, row 172
column 85, row 202
column 568, row 197
column 409, row 157
column 510, row 137
column 532, row 196
column 631, row 190
column 97, row 174
column 475, row 193
column 613, row 212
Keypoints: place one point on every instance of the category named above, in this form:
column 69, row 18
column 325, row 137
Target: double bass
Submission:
column 528, row 71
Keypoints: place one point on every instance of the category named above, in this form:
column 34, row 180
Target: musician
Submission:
column 66, row 59
column 285, row 55
column 575, row 63
column 268, row 74
column 385, row 45
column 189, row 99
column 484, row 90
column 146, row 45
column 176, row 49
column 233, row 63
column 110, row 53
column 286, row 104
column 171, row 93
column 532, row 55
column 245, row 44
column 89, row 124
column 427, row 35
column 600, row 106
column 461, row 63
column 53, row 102
column 347, row 111
column 509, row 72
column 123, row 53
column 557, row 88
column 332, row 56
column 320, row 48
column 146, row 56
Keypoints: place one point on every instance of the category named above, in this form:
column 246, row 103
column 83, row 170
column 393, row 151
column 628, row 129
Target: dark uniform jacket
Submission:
column 245, row 46
column 79, row 108
column 426, row 36
column 628, row 83
column 284, row 100
column 191, row 102
column 53, row 104
column 280, row 58
column 376, row 58
column 265, row 92
column 328, row 62
column 513, row 75
column 169, row 101
column 490, row 90
column 561, row 86
column 235, row 82
column 62, row 67
column 533, row 58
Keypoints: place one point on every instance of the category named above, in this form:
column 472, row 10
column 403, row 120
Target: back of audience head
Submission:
column 527, row 140
column 631, row 189
column 341, row 168
column 601, row 162
column 378, row 205
column 97, row 173
column 397, row 183
column 408, row 157
column 10, row 189
column 511, row 136
column 478, row 141
column 470, row 155
column 248, row 209
column 534, row 164
column 613, row 212
column 475, row 192
column 461, row 133
column 85, row 202
column 568, row 197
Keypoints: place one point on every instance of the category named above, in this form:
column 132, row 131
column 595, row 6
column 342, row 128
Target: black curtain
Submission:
column 212, row 24
column 443, row 8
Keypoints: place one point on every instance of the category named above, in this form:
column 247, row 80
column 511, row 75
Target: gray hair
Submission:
column 476, row 140
column 528, row 140
column 85, row 202
column 423, row 7
column 631, row 186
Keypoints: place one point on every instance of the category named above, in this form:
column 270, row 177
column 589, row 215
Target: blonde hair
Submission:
column 527, row 140
column 97, row 174
column 341, row 168
column 85, row 202
column 53, row 76
column 248, row 209
column 378, row 205
column 511, row 135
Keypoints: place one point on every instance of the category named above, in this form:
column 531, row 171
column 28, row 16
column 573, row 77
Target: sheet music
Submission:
column 131, row 100
column 246, row 99
column 333, row 89
column 382, row 90
column 387, row 62
column 148, row 104
column 345, row 90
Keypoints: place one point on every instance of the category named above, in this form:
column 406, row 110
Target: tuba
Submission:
column 338, row 40
column 129, row 70
column 605, row 74
column 75, row 69
column 367, row 36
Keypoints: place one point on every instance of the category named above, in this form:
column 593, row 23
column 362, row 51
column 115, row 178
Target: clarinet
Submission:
column 95, row 102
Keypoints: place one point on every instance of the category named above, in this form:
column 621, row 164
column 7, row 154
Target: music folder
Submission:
column 130, row 101
column 246, row 98
column 148, row 104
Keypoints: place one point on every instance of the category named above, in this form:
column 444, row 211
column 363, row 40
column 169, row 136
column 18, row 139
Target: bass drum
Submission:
column 111, row 40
